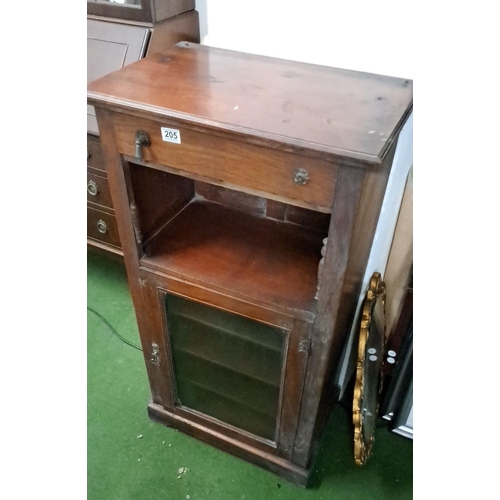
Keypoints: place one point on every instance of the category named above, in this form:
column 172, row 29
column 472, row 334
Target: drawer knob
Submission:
column 141, row 140
column 89, row 153
column 300, row 176
column 102, row 227
column 92, row 188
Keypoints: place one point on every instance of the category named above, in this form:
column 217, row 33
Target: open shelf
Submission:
column 272, row 262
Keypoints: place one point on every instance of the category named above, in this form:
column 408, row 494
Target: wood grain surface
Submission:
column 301, row 105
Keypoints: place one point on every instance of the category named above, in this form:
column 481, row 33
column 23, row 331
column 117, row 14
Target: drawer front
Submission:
column 98, row 190
column 102, row 227
column 283, row 176
column 95, row 158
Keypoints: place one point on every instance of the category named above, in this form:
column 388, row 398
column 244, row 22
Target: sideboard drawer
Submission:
column 98, row 190
column 102, row 227
column 95, row 158
column 293, row 178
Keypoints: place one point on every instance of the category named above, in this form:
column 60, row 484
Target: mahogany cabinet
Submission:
column 119, row 34
column 246, row 192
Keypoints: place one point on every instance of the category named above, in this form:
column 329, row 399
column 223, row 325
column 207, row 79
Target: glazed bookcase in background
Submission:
column 118, row 34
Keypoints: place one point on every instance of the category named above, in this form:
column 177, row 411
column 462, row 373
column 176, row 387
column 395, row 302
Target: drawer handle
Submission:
column 89, row 153
column 141, row 140
column 102, row 227
column 300, row 176
column 92, row 188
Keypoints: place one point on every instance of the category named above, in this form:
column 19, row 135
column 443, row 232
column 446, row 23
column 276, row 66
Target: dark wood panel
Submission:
column 336, row 111
column 244, row 306
column 229, row 197
column 262, row 207
column 296, row 363
column 308, row 218
column 276, row 210
column 296, row 215
column 158, row 196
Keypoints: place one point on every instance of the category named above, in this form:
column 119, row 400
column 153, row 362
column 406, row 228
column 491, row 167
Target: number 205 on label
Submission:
column 171, row 135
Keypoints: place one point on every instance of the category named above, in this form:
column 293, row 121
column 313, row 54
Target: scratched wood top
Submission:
column 300, row 106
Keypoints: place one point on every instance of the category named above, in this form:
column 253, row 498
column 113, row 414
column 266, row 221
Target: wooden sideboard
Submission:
column 117, row 35
column 247, row 191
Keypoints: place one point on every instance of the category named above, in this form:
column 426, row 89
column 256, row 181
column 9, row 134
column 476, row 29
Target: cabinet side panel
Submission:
column 347, row 194
column 384, row 234
column 145, row 315
column 358, row 199
column 184, row 27
column 163, row 10
column 364, row 230
column 158, row 196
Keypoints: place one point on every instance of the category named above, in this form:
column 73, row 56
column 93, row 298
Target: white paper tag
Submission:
column 170, row 135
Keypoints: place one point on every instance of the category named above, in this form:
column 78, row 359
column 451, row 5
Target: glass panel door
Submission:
column 226, row 366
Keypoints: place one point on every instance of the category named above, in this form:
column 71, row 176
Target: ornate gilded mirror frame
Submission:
column 368, row 382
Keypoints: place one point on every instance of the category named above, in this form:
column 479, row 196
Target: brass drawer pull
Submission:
column 141, row 139
column 300, row 176
column 92, row 188
column 102, row 227
column 89, row 153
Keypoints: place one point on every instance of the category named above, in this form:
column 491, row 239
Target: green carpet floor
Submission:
column 130, row 457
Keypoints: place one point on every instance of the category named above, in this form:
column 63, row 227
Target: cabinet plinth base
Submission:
column 282, row 467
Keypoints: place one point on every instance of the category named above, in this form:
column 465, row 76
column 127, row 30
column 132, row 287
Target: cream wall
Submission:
column 361, row 35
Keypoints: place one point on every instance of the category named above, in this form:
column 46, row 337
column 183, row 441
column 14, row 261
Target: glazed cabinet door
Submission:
column 222, row 366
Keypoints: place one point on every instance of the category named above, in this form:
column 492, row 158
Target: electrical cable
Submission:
column 107, row 323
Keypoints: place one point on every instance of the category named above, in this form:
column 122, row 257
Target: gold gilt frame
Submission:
column 376, row 290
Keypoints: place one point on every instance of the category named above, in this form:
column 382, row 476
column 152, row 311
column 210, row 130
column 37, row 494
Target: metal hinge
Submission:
column 155, row 355
column 304, row 345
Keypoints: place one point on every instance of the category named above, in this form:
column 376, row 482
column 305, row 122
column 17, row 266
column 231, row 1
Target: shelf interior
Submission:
column 211, row 244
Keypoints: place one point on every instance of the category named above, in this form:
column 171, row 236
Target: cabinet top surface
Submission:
column 330, row 110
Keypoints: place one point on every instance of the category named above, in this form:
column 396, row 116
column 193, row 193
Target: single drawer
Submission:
column 98, row 190
column 102, row 227
column 95, row 158
column 292, row 178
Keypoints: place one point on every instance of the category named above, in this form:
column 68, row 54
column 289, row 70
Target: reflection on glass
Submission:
column 226, row 366
column 127, row 3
